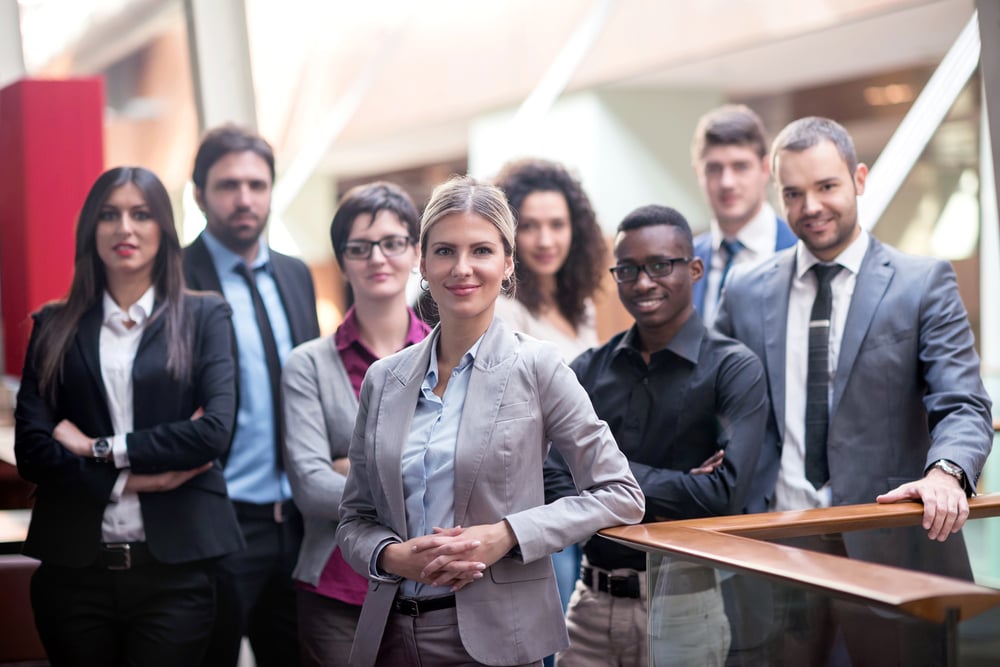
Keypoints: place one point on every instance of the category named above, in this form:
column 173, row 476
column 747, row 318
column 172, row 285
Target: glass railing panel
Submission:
column 704, row 615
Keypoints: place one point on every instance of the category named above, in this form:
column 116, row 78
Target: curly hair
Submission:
column 578, row 278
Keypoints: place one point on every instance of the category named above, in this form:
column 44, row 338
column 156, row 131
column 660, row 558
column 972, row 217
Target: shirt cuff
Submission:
column 119, row 451
column 373, row 571
column 119, row 488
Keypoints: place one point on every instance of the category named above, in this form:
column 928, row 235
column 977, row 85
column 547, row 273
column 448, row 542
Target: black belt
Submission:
column 689, row 580
column 417, row 607
column 617, row 585
column 123, row 556
column 278, row 512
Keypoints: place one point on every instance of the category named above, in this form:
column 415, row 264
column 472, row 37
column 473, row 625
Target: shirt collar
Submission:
column 138, row 312
column 431, row 379
column 850, row 258
column 686, row 343
column 348, row 334
column 757, row 235
column 227, row 260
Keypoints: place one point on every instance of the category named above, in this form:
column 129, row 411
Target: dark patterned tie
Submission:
column 270, row 354
column 818, row 378
column 732, row 248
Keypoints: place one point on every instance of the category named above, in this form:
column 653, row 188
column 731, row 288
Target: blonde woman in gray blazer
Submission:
column 374, row 238
column 443, row 508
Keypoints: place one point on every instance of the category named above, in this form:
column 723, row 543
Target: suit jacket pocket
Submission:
column 512, row 411
column 509, row 570
column 887, row 338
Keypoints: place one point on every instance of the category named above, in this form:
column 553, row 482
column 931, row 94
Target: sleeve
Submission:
column 958, row 408
column 609, row 494
column 361, row 531
column 40, row 457
column 189, row 443
column 741, row 409
column 316, row 486
column 558, row 478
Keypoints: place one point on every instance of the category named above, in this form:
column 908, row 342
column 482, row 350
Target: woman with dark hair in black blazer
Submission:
column 127, row 399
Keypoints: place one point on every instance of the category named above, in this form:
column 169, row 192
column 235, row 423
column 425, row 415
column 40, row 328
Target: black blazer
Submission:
column 292, row 276
column 192, row 522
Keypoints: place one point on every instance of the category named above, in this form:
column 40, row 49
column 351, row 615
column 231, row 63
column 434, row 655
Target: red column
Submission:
column 51, row 151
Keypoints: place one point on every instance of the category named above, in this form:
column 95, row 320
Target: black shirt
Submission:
column 701, row 393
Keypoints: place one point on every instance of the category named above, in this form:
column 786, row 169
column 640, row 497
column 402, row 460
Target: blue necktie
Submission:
column 731, row 248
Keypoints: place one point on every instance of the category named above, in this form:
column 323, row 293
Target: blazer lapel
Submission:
column 702, row 250
column 487, row 384
column 202, row 272
column 286, row 287
column 400, row 393
column 154, row 329
column 88, row 344
column 872, row 282
column 774, row 307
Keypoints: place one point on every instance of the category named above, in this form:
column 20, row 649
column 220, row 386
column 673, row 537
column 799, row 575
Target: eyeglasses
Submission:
column 391, row 246
column 661, row 268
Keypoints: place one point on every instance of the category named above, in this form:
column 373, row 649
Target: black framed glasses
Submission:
column 391, row 246
column 661, row 268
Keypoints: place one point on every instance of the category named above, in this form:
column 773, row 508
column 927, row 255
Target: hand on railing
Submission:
column 945, row 506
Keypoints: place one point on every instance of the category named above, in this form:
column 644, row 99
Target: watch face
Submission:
column 102, row 448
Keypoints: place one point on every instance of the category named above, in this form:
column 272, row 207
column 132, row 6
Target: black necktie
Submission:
column 731, row 248
column 818, row 378
column 270, row 354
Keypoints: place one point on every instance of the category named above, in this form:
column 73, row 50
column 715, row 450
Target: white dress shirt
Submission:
column 758, row 239
column 793, row 491
column 118, row 345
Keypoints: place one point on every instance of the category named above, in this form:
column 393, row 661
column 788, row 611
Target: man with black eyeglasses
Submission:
column 688, row 408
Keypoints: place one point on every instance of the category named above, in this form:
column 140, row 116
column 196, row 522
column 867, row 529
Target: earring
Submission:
column 424, row 285
column 506, row 284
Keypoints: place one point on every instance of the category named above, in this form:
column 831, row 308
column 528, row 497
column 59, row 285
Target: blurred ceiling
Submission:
column 425, row 68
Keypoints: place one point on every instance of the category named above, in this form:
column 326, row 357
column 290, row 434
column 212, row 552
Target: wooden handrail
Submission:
column 779, row 525
column 735, row 543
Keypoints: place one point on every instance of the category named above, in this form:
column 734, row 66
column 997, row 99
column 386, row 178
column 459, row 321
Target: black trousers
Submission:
column 256, row 595
column 153, row 614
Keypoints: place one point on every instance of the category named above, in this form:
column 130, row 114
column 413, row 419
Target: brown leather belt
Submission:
column 417, row 606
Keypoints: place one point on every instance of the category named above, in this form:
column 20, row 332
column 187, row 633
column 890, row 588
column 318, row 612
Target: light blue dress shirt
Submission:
column 251, row 471
column 429, row 458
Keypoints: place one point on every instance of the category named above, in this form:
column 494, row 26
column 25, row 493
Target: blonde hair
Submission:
column 464, row 194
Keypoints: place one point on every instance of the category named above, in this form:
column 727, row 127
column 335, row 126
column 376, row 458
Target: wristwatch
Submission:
column 950, row 468
column 101, row 450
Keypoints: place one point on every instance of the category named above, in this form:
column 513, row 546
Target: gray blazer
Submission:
column 320, row 408
column 907, row 391
column 521, row 395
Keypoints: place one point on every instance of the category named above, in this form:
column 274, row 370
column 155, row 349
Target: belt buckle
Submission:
column 408, row 607
column 279, row 511
column 121, row 553
column 623, row 586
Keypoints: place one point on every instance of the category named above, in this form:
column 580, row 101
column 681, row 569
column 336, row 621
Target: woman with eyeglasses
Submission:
column 444, row 507
column 373, row 235
column 127, row 400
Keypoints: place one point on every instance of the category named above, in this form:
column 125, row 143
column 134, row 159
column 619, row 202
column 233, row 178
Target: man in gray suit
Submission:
column 874, row 380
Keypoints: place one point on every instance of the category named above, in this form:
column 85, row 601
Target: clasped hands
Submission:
column 452, row 557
